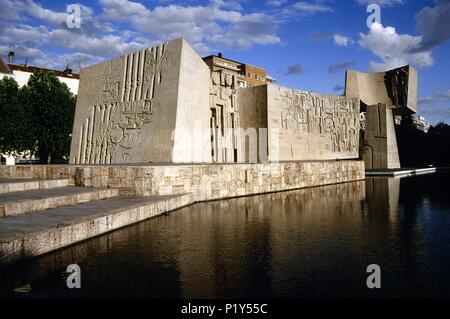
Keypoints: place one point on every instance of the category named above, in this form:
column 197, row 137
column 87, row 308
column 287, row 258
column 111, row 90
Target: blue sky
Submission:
column 303, row 44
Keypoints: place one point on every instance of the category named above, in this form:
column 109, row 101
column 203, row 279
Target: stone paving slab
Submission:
column 29, row 235
column 19, row 185
column 35, row 200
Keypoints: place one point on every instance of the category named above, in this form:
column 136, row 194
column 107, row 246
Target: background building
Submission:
column 22, row 72
column 247, row 75
column 420, row 123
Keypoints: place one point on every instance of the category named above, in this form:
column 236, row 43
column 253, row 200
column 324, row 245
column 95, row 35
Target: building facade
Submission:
column 21, row 73
column 420, row 123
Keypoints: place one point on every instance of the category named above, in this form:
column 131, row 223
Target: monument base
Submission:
column 380, row 141
column 41, row 211
column 205, row 181
column 401, row 172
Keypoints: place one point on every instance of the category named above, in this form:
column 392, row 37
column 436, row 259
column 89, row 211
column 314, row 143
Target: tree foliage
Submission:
column 419, row 149
column 39, row 116
column 13, row 121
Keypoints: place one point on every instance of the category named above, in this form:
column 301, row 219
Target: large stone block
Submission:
column 396, row 88
column 311, row 126
column 383, row 96
column 380, row 142
column 301, row 126
column 147, row 106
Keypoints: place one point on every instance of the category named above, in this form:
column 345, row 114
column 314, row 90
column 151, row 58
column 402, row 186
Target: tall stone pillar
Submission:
column 380, row 141
column 383, row 96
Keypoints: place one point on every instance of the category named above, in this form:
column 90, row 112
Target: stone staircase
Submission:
column 39, row 216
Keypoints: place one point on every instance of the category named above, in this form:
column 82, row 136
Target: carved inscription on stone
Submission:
column 397, row 86
column 334, row 117
column 123, row 107
column 224, row 115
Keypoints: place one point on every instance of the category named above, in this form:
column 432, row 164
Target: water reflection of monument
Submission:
column 253, row 246
column 299, row 243
column 383, row 197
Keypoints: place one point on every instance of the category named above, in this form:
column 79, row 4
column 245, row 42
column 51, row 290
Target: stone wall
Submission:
column 128, row 108
column 252, row 118
column 205, row 181
column 396, row 88
column 380, row 142
column 311, row 126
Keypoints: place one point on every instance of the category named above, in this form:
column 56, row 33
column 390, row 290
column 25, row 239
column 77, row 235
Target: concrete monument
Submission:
column 167, row 105
column 128, row 108
column 384, row 97
column 302, row 125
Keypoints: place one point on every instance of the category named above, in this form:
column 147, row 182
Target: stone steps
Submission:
column 39, row 216
column 19, row 185
column 17, row 203
column 27, row 235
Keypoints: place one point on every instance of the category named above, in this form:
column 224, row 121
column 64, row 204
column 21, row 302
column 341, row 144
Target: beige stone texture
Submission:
column 128, row 108
column 311, row 126
column 60, row 227
column 38, row 221
column 22, row 202
column 205, row 181
column 380, row 142
column 397, row 88
column 252, row 103
column 383, row 96
column 19, row 185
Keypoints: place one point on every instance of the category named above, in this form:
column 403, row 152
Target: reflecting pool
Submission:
column 311, row 243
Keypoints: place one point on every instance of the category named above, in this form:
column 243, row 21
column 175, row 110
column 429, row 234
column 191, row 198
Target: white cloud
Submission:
column 342, row 40
column 100, row 46
column 434, row 24
column 216, row 23
column 10, row 10
column 394, row 49
column 41, row 13
column 336, row 68
column 121, row 9
column 219, row 22
column 276, row 3
column 22, row 52
column 439, row 98
column 383, row 3
column 294, row 70
column 312, row 8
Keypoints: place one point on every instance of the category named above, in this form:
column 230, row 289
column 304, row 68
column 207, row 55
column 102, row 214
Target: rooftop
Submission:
column 34, row 69
column 4, row 68
column 220, row 56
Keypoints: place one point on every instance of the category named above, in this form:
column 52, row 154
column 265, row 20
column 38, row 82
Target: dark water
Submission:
column 304, row 244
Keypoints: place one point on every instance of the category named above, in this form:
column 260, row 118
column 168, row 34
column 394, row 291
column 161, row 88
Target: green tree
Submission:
column 14, row 132
column 439, row 144
column 51, row 108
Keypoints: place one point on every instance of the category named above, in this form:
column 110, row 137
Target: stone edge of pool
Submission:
column 173, row 186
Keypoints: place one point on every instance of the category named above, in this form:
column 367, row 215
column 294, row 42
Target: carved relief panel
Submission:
column 332, row 117
column 224, row 116
column 123, row 107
